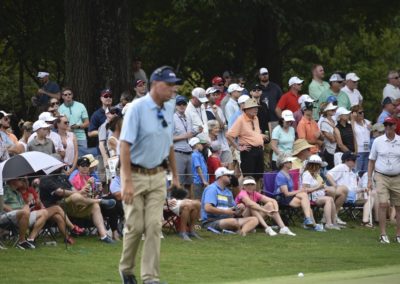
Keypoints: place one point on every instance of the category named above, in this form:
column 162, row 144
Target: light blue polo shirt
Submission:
column 76, row 114
column 219, row 198
column 142, row 129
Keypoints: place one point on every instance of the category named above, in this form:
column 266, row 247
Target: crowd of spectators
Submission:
column 226, row 132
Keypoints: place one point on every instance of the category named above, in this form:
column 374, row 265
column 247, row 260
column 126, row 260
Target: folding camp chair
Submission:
column 171, row 221
column 9, row 234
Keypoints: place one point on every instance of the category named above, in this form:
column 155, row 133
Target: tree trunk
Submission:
column 267, row 45
column 97, row 34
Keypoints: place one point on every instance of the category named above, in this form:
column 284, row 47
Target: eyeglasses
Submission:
column 84, row 165
column 162, row 118
column 107, row 96
column 55, row 103
column 67, row 94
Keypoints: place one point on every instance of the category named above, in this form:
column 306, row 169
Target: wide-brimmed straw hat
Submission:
column 300, row 145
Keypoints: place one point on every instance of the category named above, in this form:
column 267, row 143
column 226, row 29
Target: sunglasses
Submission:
column 264, row 74
column 388, row 124
column 6, row 118
column 107, row 96
column 395, row 78
column 67, row 94
column 162, row 118
column 182, row 104
column 54, row 103
column 256, row 90
column 221, row 84
column 84, row 165
column 65, row 122
column 361, row 112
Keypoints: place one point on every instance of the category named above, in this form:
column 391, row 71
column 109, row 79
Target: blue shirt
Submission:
column 382, row 116
column 198, row 161
column 76, row 114
column 282, row 179
column 97, row 119
column 149, row 141
column 221, row 198
column 233, row 118
column 50, row 87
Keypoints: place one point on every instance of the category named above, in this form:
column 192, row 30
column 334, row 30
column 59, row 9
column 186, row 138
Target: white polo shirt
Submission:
column 386, row 155
column 198, row 117
column 354, row 95
column 342, row 175
column 391, row 91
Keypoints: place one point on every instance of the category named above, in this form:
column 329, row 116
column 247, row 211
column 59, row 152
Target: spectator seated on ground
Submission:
column 219, row 211
column 189, row 212
column 20, row 214
column 54, row 213
column 315, row 186
column 270, row 208
column 340, row 178
column 285, row 194
column 55, row 187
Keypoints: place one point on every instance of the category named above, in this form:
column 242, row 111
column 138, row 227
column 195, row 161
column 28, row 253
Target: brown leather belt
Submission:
column 144, row 171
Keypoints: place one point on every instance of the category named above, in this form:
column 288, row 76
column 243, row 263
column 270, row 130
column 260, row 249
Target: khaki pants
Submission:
column 144, row 217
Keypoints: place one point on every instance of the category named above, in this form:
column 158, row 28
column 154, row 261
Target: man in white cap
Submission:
column 271, row 93
column 336, row 83
column 351, row 89
column 317, row 87
column 48, row 90
column 289, row 100
column 234, row 91
column 196, row 111
column 219, row 212
column 392, row 89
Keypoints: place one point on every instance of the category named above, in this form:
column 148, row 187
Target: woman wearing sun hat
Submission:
column 315, row 186
column 251, row 199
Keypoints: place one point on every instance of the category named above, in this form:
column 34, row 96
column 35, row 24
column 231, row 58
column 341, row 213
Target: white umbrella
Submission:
column 27, row 163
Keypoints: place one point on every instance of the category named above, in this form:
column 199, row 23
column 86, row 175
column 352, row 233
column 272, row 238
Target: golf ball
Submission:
column 300, row 274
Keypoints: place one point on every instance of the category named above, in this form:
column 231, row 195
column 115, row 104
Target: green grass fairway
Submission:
column 386, row 274
column 352, row 255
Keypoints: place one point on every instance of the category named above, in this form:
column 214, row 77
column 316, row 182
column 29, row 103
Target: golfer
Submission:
column 146, row 149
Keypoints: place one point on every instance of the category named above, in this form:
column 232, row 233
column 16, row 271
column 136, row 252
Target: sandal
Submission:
column 367, row 225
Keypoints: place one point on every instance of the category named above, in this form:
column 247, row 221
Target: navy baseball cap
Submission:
column 181, row 99
column 349, row 156
column 164, row 74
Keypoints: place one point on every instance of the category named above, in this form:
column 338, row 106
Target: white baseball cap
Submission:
column 211, row 90
column 234, row 87
column 352, row 77
column 305, row 98
column 200, row 94
column 41, row 75
column 193, row 141
column 335, row 78
column 248, row 180
column 5, row 113
column 330, row 106
column 243, row 98
column 295, row 80
column 315, row 159
column 222, row 171
column 40, row 124
column 287, row 115
column 46, row 116
column 342, row 111
column 263, row 70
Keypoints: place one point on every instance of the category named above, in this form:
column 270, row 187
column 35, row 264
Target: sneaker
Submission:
column 319, row 228
column 340, row 221
column 31, row 242
column 397, row 239
column 308, row 222
column 184, row 236
column 332, row 227
column 270, row 232
column 286, row 231
column 107, row 203
column 77, row 231
column 194, row 235
column 384, row 239
column 128, row 279
column 107, row 240
column 212, row 230
column 25, row 245
column 228, row 232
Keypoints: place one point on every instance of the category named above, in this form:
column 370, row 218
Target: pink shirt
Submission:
column 79, row 181
column 254, row 196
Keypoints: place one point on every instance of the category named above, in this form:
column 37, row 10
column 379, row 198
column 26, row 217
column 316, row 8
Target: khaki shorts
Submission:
column 77, row 211
column 388, row 189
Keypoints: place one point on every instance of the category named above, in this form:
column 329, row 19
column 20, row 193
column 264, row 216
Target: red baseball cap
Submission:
column 390, row 120
column 217, row 80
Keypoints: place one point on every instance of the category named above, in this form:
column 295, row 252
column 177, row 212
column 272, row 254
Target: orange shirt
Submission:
column 247, row 130
column 307, row 129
